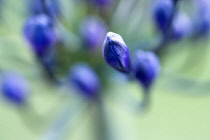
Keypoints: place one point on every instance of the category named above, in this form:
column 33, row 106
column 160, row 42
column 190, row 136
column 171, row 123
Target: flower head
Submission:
column 116, row 52
column 39, row 32
column 146, row 67
column 14, row 88
column 85, row 80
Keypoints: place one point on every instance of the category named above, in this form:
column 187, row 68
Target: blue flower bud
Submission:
column 93, row 31
column 48, row 7
column 162, row 13
column 14, row 88
column 203, row 17
column 100, row 3
column 39, row 32
column 146, row 67
column 85, row 80
column 181, row 26
column 116, row 52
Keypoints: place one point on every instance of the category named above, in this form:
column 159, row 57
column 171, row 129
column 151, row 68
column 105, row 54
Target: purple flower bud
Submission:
column 162, row 13
column 48, row 7
column 181, row 26
column 203, row 20
column 14, row 88
column 39, row 32
column 85, row 80
column 146, row 68
column 100, row 3
column 116, row 52
column 93, row 31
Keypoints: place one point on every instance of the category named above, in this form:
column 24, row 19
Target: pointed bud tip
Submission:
column 113, row 37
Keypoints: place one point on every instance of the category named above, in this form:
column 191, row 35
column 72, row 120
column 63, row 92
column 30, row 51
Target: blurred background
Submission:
column 42, row 42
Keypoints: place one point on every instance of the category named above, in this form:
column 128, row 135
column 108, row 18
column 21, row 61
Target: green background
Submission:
column 180, row 98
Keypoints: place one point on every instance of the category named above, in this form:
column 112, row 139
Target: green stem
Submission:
column 62, row 123
column 102, row 128
column 145, row 104
column 31, row 118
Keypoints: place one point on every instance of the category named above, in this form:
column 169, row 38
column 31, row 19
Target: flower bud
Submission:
column 162, row 13
column 203, row 17
column 100, row 3
column 48, row 7
column 146, row 67
column 85, row 80
column 93, row 31
column 39, row 32
column 116, row 52
column 181, row 26
column 14, row 88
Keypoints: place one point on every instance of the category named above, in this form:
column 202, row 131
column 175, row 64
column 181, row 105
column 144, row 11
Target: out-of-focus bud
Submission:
column 48, row 7
column 116, row 52
column 203, row 17
column 162, row 13
column 85, row 80
column 175, row 1
column 181, row 27
column 146, row 67
column 100, row 3
column 40, row 33
column 14, row 88
column 93, row 31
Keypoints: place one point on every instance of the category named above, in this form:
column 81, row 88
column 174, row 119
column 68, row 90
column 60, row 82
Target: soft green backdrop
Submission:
column 180, row 98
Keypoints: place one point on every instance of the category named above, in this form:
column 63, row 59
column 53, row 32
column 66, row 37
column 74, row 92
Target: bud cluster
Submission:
column 145, row 67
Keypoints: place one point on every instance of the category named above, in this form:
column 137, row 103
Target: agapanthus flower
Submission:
column 162, row 13
column 84, row 78
column 146, row 68
column 182, row 26
column 93, row 31
column 40, row 33
column 116, row 52
column 203, row 17
column 14, row 88
column 100, row 3
column 48, row 7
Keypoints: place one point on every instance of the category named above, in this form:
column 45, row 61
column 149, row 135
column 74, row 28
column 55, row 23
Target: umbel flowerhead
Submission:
column 14, row 88
column 162, row 13
column 116, row 52
column 85, row 80
column 40, row 33
column 146, row 67
column 93, row 31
